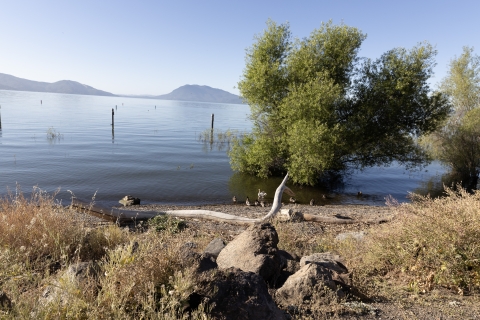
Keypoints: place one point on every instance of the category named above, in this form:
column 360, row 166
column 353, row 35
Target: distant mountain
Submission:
column 8, row 82
column 200, row 93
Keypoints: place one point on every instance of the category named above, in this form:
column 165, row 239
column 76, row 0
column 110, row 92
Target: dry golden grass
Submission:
column 137, row 273
column 431, row 243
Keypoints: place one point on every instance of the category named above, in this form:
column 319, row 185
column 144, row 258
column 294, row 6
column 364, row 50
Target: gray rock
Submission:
column 235, row 294
column 214, row 247
column 350, row 235
column 82, row 275
column 254, row 250
column 199, row 262
column 313, row 283
column 129, row 201
column 325, row 259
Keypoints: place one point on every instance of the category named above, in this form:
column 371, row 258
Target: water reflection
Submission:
column 435, row 186
column 218, row 140
column 242, row 185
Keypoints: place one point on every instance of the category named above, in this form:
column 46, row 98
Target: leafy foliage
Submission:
column 316, row 106
column 165, row 223
column 457, row 142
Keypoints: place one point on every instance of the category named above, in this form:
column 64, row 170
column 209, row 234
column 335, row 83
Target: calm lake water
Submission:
column 153, row 153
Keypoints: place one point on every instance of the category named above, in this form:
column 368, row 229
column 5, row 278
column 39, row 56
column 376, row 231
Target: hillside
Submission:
column 201, row 94
column 8, row 82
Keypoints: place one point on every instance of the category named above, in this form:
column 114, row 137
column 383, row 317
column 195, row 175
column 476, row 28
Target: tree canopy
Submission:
column 316, row 106
column 457, row 142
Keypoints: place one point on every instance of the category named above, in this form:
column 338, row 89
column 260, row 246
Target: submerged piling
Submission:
column 113, row 121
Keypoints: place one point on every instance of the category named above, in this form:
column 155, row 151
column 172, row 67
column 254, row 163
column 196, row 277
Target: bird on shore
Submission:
column 312, row 202
column 234, row 199
column 293, row 200
column 262, row 203
column 359, row 194
column 257, row 203
column 247, row 202
column 261, row 194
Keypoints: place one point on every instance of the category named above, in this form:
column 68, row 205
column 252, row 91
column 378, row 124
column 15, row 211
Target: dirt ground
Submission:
column 436, row 304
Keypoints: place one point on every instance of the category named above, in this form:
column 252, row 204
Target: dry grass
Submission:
column 136, row 275
column 432, row 243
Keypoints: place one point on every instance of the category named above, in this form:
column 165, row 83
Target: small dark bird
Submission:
column 247, row 202
column 293, row 200
column 312, row 202
column 234, row 199
column 257, row 203
column 359, row 194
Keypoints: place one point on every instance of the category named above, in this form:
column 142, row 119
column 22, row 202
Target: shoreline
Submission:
column 354, row 211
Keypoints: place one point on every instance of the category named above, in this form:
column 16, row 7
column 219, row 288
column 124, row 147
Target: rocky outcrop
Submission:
column 236, row 294
column 254, row 250
column 313, row 283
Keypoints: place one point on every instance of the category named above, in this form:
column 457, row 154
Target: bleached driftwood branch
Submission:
column 122, row 215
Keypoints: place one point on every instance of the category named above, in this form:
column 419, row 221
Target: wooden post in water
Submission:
column 211, row 133
column 113, row 113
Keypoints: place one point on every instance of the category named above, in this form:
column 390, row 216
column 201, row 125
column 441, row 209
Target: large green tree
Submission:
column 457, row 142
column 317, row 107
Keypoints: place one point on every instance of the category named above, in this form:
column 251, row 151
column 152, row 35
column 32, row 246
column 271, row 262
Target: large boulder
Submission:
column 235, row 294
column 313, row 284
column 254, row 250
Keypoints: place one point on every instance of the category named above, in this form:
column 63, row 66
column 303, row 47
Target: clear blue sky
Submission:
column 153, row 47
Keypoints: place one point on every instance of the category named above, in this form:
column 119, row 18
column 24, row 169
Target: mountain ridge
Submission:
column 9, row 82
column 198, row 93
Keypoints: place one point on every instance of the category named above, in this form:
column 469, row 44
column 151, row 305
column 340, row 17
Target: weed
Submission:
column 53, row 135
column 166, row 223
column 432, row 242
column 219, row 139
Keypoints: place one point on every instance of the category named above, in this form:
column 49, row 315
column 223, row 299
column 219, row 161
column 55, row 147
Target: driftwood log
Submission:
column 123, row 216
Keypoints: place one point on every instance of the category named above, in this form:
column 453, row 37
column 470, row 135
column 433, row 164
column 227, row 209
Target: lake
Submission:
column 66, row 142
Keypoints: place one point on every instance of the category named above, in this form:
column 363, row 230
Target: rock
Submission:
column 236, row 294
column 291, row 267
column 312, row 283
column 80, row 275
column 286, row 255
column 199, row 262
column 290, row 215
column 214, row 247
column 350, row 235
column 129, row 201
column 254, row 250
column 5, row 302
column 325, row 259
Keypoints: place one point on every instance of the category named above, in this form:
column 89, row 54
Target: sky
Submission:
column 153, row 47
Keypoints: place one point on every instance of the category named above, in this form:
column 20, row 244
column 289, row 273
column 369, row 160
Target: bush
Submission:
column 432, row 242
column 166, row 223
